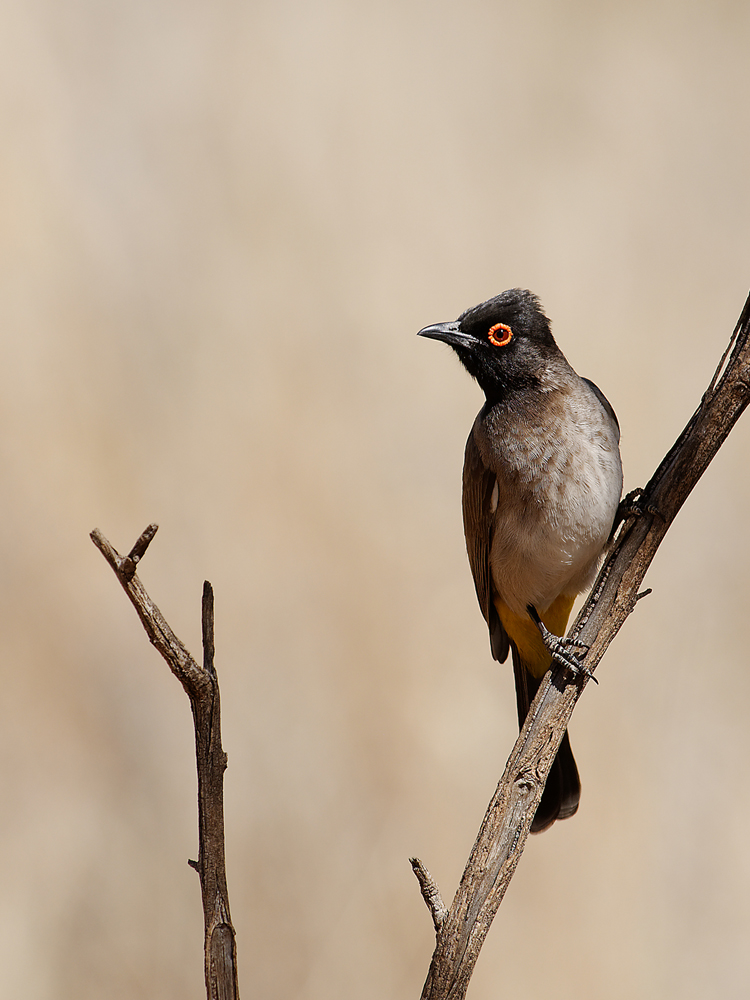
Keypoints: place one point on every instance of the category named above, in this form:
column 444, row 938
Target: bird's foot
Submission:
column 561, row 649
column 635, row 504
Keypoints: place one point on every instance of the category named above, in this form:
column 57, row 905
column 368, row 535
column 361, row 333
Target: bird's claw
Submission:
column 560, row 648
column 635, row 504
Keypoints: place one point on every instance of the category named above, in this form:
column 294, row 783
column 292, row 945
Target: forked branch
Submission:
column 646, row 519
column 202, row 687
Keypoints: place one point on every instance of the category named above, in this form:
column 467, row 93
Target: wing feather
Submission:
column 479, row 484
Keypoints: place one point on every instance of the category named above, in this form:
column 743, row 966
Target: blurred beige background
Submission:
column 222, row 226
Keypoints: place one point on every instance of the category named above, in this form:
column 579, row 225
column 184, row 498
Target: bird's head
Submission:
column 503, row 343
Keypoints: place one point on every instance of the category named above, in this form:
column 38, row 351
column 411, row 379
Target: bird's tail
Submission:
column 562, row 792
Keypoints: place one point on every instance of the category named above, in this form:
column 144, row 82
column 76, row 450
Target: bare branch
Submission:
column 202, row 687
column 181, row 663
column 430, row 893
column 506, row 824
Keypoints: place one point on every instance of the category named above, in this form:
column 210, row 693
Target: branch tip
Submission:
column 430, row 893
column 129, row 563
column 208, row 628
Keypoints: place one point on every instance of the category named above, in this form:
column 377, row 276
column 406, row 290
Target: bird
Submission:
column 542, row 482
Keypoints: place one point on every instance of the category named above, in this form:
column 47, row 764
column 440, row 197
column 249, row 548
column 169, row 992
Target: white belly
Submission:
column 558, row 491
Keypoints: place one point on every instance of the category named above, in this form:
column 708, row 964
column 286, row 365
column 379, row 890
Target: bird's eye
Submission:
column 500, row 335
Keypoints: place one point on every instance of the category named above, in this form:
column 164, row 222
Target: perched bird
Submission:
column 542, row 483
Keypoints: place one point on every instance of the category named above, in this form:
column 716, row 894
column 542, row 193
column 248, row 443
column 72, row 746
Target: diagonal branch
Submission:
column 506, row 824
column 202, row 687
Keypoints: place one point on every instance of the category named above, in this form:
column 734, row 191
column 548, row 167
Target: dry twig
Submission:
column 202, row 687
column 502, row 837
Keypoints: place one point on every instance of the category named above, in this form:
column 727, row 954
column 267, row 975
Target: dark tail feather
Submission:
column 562, row 792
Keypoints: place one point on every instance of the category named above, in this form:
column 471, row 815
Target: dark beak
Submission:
column 449, row 333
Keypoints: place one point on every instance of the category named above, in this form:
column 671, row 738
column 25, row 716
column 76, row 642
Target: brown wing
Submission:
column 479, row 516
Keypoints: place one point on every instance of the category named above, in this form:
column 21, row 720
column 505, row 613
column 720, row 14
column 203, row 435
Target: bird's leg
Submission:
column 561, row 649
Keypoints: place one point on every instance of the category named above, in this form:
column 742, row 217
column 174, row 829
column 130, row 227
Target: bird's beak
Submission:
column 449, row 333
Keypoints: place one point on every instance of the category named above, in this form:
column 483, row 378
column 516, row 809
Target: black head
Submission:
column 503, row 343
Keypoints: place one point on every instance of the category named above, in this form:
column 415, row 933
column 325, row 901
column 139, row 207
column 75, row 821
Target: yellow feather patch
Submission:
column 525, row 636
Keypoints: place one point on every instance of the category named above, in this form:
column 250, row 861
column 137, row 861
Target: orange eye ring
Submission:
column 500, row 335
